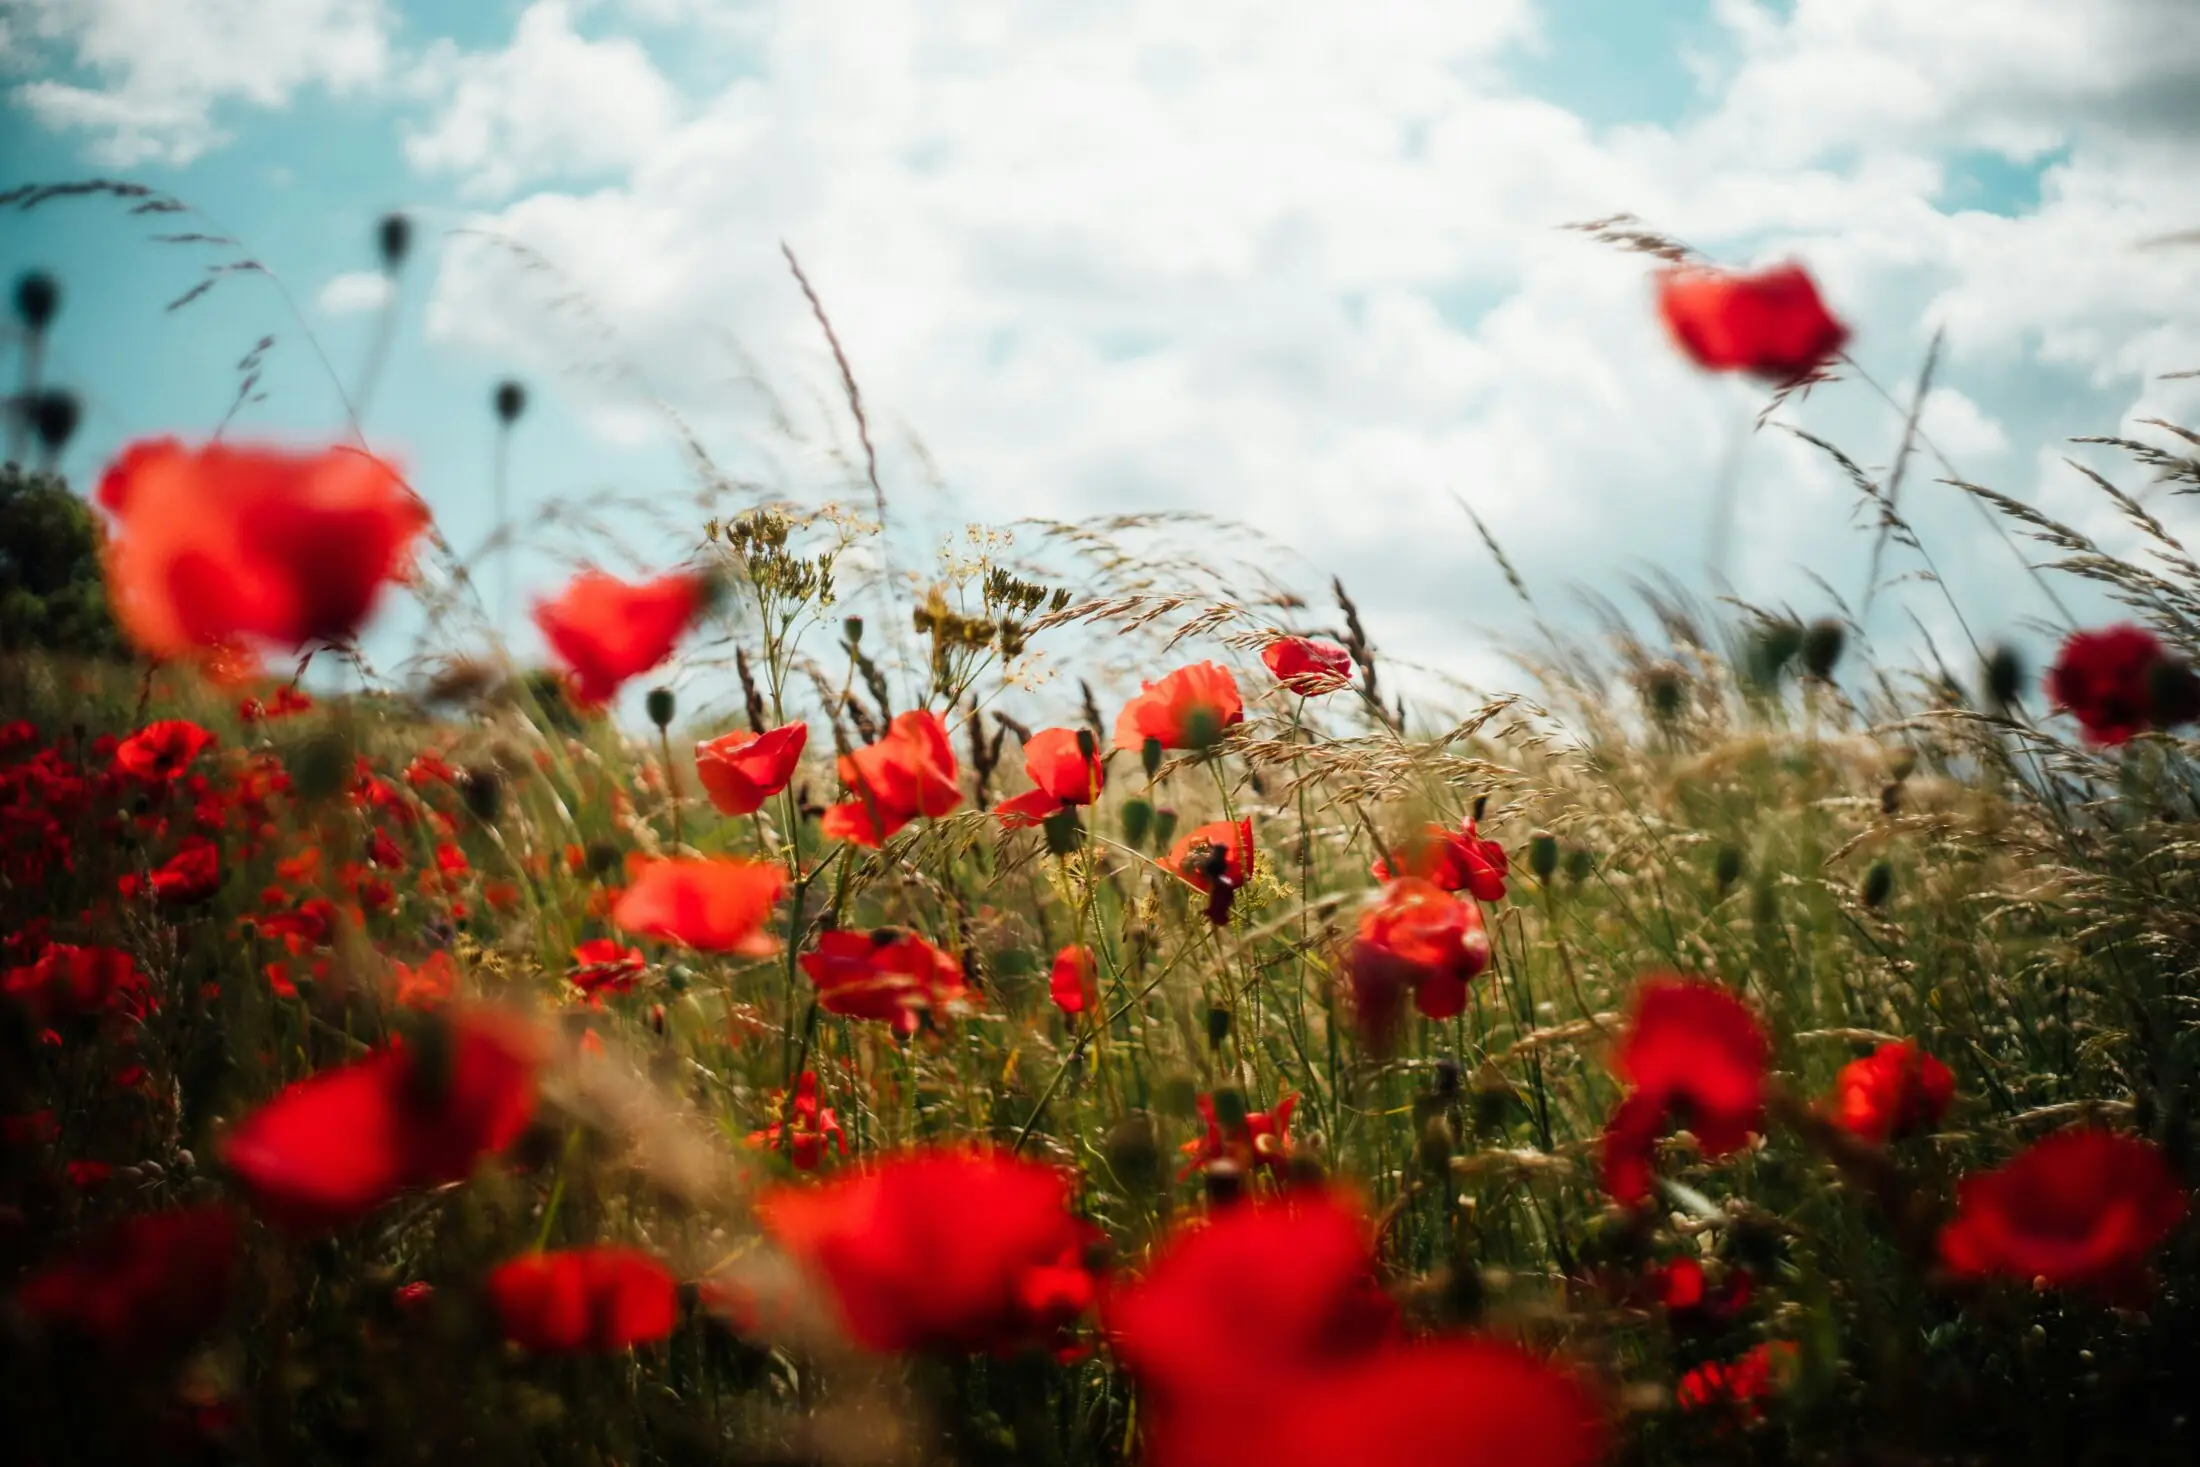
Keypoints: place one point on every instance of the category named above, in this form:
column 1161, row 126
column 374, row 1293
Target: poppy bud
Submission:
column 393, row 240
column 1434, row 1150
column 510, row 401
column 1726, row 866
column 602, row 857
column 1164, row 828
column 660, row 706
column 1149, row 757
column 676, row 978
column 483, row 790
column 1137, row 821
column 1770, row 652
column 852, row 629
column 1086, row 746
column 1064, row 834
column 1665, row 689
column 1579, row 863
column 1224, row 1181
column 1543, row 855
column 1218, row 1025
column 1178, row 1094
column 2004, row 677
column 1134, row 1155
column 1823, row 641
column 1878, row 883
column 37, row 300
column 53, row 415
column 1230, row 1109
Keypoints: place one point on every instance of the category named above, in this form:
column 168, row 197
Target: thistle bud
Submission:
column 1137, row 821
column 660, row 706
column 1543, row 855
column 393, row 241
column 510, row 401
column 1823, row 641
column 1149, row 757
column 1878, row 884
column 37, row 300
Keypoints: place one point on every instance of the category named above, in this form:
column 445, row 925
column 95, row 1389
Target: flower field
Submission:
column 1722, row 1049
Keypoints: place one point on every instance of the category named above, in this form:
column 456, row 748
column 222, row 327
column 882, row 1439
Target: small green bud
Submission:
column 1543, row 855
column 1137, row 821
column 660, row 706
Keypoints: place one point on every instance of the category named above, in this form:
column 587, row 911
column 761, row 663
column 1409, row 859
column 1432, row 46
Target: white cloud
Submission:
column 353, row 292
column 551, row 105
column 1299, row 265
column 157, row 71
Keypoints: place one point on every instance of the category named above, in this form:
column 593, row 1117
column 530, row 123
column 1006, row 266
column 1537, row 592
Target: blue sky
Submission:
column 1265, row 260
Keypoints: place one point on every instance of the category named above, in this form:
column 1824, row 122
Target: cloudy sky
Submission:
column 1290, row 262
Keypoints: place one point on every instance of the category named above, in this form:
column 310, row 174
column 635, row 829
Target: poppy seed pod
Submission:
column 1543, row 855
column 510, row 401
column 37, row 300
column 393, row 241
column 54, row 414
column 1823, row 642
column 1137, row 821
column 852, row 629
column 660, row 707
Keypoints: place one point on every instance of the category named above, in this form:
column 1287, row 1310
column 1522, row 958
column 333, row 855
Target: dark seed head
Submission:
column 53, row 415
column 1218, row 1025
column 37, row 299
column 393, row 241
column 511, row 401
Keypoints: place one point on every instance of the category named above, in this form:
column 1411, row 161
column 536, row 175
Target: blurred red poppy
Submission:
column 191, row 875
column 909, row 772
column 741, row 770
column 717, row 905
column 1415, row 938
column 1895, row 1091
column 1741, row 1386
column 2120, row 681
column 606, row 630
column 1771, row 323
column 601, row 966
column 158, row 752
column 428, row 984
column 584, row 1300
column 1065, row 776
column 222, row 545
column 148, row 1285
column 2082, row 1208
column 953, row 1248
column 815, row 1127
column 1238, row 1302
column 1261, row 1139
column 1692, row 1052
column 1214, row 858
column 1454, row 859
column 890, row 975
column 1074, row 983
column 1307, row 667
column 1188, row 709
column 69, row 981
column 336, row 1145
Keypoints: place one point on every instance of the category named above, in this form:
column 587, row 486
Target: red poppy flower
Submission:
column 741, row 770
column 1771, row 323
column 146, row 1286
column 158, row 752
column 1263, row 1140
column 715, row 906
column 909, row 772
column 192, row 874
column 334, row 1146
column 1215, row 858
column 1239, row 1302
column 815, row 1127
column 1742, row 1386
column 429, row 984
column 2119, row 681
column 601, row 966
column 1420, row 939
column 1897, row 1090
column 1307, row 667
column 1690, row 1298
column 1074, row 985
column 222, row 545
column 1188, row 709
column 2082, row 1208
column 607, row 630
column 1456, row 860
column 1064, row 774
column 955, row 1248
column 1692, row 1052
column 286, row 701
column 893, row 976
column 69, row 981
column 584, row 1300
